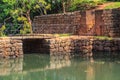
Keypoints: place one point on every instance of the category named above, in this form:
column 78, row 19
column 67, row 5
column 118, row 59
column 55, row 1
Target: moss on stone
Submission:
column 103, row 38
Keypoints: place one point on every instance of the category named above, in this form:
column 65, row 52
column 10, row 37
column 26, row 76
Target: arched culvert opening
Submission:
column 35, row 46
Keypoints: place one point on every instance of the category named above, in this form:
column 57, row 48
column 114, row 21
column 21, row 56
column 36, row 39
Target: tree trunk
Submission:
column 29, row 20
column 63, row 5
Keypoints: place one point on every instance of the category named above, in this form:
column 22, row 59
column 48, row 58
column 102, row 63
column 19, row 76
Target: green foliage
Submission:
column 55, row 6
column 22, row 19
column 84, row 4
column 113, row 0
column 26, row 28
column 21, row 11
column 2, row 31
column 26, row 25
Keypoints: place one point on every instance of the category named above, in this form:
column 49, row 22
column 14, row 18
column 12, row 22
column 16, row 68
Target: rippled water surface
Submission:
column 45, row 67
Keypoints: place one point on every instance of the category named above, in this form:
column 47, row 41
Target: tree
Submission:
column 19, row 11
column 84, row 4
column 64, row 4
column 58, row 6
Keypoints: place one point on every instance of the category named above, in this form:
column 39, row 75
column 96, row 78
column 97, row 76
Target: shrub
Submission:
column 84, row 4
column 2, row 29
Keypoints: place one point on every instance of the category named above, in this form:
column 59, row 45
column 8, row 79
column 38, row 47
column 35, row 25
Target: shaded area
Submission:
column 106, row 54
column 35, row 61
column 35, row 46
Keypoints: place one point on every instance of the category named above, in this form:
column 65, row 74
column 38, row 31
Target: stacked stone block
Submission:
column 106, row 45
column 70, row 46
column 58, row 23
column 10, row 47
column 99, row 23
column 60, row 46
column 76, row 46
column 108, row 22
column 68, row 18
column 79, row 23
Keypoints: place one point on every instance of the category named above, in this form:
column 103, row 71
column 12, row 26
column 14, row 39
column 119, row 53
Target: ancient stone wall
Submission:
column 82, row 46
column 56, row 23
column 71, row 46
column 62, row 46
column 10, row 47
column 99, row 23
column 107, row 22
column 68, row 18
column 74, row 22
column 106, row 45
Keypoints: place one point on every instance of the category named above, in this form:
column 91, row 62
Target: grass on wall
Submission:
column 103, row 38
column 113, row 5
column 62, row 35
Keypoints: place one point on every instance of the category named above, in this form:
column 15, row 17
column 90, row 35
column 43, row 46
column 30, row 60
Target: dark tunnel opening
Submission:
column 35, row 46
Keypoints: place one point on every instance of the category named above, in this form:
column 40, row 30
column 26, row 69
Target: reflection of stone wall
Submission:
column 11, row 66
column 57, row 62
column 10, row 47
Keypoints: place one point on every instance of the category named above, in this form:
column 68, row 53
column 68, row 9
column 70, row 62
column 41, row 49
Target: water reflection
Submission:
column 45, row 62
column 45, row 67
column 11, row 65
column 57, row 62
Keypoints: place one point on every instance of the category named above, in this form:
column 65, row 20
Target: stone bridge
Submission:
column 17, row 45
column 94, row 23
column 53, row 45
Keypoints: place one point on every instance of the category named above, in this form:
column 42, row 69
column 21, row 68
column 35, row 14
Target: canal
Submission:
column 46, row 67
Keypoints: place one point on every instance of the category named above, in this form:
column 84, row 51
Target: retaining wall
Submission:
column 70, row 46
column 74, row 22
column 82, row 46
column 61, row 46
column 107, row 22
column 99, row 23
column 10, row 47
column 106, row 45
column 56, row 23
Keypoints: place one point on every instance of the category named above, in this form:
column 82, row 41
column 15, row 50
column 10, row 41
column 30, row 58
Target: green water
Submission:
column 44, row 67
